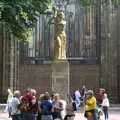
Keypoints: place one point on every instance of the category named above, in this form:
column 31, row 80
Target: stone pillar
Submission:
column 1, row 58
column 60, row 78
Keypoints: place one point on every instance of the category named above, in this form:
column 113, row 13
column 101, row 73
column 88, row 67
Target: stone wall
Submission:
column 39, row 76
column 87, row 75
column 35, row 76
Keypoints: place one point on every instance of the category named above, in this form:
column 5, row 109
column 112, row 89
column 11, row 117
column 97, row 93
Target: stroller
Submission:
column 100, row 113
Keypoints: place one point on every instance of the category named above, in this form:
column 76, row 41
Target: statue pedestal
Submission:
column 60, row 78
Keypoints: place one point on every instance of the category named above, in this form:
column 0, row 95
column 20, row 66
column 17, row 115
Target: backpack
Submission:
column 25, row 105
column 73, row 96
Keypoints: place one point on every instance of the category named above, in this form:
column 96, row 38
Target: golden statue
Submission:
column 60, row 36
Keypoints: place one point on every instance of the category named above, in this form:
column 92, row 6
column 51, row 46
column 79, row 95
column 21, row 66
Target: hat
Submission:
column 90, row 92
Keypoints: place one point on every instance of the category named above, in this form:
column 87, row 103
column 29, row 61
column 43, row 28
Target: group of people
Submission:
column 93, row 104
column 29, row 106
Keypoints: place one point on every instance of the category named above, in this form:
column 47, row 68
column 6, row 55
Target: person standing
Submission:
column 73, row 101
column 9, row 100
column 63, row 112
column 57, row 107
column 28, row 100
column 105, row 106
column 15, row 111
column 100, row 96
column 40, row 100
column 77, row 99
column 91, row 106
column 70, row 115
column 83, row 94
column 46, row 108
column 34, row 106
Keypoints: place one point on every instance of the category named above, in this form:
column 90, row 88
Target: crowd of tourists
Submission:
column 46, row 106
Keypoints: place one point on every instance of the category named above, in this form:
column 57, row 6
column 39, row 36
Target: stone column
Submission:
column 1, row 58
column 60, row 78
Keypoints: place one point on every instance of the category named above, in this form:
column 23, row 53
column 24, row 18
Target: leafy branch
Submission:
column 20, row 16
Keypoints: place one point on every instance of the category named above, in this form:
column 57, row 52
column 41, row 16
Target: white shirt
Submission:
column 77, row 94
column 105, row 102
column 63, row 112
column 14, row 105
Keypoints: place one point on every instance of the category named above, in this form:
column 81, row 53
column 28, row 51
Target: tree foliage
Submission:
column 19, row 16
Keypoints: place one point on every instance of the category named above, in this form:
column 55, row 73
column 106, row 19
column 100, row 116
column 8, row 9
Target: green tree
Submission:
column 19, row 16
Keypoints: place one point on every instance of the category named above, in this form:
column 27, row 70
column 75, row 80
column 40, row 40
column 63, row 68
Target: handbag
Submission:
column 85, row 114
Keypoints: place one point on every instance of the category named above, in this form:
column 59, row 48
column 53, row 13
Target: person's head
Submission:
column 61, row 15
column 47, row 93
column 33, row 91
column 101, row 91
column 28, row 90
column 16, row 93
column 77, row 89
column 9, row 91
column 105, row 96
column 46, row 97
column 56, row 97
column 83, row 86
column 52, row 95
column 89, row 93
column 41, row 97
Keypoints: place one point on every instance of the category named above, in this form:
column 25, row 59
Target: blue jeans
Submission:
column 95, row 115
column 105, row 110
column 16, row 117
column 77, row 102
column 46, row 117
column 9, row 109
column 28, row 116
